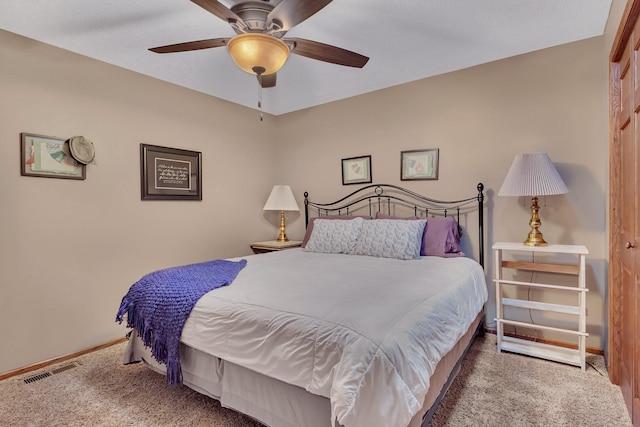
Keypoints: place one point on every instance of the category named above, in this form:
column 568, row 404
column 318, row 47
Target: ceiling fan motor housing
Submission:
column 254, row 17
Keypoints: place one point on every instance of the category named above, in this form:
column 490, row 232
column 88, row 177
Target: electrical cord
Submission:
column 515, row 328
column 594, row 368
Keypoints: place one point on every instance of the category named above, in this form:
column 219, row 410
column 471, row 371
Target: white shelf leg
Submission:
column 499, row 309
column 582, row 342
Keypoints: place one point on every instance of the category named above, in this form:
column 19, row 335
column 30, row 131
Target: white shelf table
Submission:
column 537, row 349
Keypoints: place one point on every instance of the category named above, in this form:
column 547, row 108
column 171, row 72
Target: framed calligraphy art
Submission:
column 170, row 173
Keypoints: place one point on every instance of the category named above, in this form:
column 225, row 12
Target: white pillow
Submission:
column 391, row 238
column 334, row 237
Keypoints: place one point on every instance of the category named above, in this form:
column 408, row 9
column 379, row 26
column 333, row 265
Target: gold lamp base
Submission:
column 535, row 237
column 282, row 237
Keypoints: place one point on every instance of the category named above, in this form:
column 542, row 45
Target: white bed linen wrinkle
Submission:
column 336, row 347
column 416, row 395
column 380, row 349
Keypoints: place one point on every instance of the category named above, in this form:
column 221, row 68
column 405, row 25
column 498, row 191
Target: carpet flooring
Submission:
column 491, row 390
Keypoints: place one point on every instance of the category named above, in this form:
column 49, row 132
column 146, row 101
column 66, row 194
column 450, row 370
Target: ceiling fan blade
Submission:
column 218, row 9
column 327, row 53
column 290, row 13
column 267, row 81
column 183, row 47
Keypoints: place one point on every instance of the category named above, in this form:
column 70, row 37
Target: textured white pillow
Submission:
column 334, row 237
column 391, row 238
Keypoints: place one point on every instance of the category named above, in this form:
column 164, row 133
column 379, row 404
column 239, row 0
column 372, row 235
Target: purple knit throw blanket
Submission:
column 158, row 305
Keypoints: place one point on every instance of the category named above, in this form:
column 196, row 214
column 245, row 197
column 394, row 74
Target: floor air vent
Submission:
column 44, row 375
column 36, row 378
column 64, row 368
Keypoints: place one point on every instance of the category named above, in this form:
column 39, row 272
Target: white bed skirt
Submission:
column 271, row 401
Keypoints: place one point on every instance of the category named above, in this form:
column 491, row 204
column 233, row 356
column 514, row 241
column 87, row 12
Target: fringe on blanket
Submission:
column 158, row 305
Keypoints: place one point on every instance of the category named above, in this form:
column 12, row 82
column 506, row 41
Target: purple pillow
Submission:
column 441, row 236
column 307, row 233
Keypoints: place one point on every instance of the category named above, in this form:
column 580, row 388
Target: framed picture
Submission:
column 356, row 170
column 48, row 157
column 419, row 164
column 170, row 173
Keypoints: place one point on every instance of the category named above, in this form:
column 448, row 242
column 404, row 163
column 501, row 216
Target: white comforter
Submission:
column 365, row 332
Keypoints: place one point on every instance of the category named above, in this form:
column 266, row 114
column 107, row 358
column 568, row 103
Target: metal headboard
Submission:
column 381, row 197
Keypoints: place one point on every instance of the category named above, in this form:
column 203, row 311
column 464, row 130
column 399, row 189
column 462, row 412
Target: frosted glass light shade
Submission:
column 281, row 199
column 257, row 51
column 532, row 175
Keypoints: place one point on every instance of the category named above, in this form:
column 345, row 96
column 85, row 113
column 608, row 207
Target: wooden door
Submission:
column 627, row 125
column 629, row 233
column 624, row 253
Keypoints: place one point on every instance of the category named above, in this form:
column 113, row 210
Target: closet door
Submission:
column 630, row 239
column 624, row 255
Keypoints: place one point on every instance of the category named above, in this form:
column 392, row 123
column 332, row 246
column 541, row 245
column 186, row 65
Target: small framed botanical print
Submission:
column 419, row 164
column 356, row 170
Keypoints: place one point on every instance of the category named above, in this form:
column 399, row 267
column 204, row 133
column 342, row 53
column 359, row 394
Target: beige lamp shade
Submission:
column 281, row 199
column 258, row 53
column 532, row 175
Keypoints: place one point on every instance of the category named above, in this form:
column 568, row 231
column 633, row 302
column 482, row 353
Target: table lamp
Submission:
column 533, row 175
column 281, row 199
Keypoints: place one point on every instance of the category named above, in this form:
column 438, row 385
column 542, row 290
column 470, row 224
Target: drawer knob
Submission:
column 629, row 245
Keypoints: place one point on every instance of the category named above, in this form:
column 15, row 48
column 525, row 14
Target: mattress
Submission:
column 362, row 333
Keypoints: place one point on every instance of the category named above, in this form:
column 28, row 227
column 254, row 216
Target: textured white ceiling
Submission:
column 406, row 40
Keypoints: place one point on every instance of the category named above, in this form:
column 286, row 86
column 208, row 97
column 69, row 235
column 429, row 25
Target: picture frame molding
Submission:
column 407, row 175
column 79, row 171
column 169, row 160
column 354, row 162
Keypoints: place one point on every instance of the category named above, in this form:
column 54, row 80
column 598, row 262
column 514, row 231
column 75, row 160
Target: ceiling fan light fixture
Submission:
column 257, row 51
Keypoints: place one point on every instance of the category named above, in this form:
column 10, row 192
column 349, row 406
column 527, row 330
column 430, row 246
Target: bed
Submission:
column 354, row 328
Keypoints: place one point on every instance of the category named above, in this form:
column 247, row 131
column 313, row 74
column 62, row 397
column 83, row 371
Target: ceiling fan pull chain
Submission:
column 260, row 95
column 259, row 72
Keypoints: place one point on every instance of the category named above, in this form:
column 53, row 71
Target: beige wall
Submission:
column 70, row 249
column 480, row 118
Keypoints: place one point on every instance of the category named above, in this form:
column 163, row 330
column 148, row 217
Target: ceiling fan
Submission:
column 259, row 47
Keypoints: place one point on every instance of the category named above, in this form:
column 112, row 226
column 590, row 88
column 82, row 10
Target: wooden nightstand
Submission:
column 272, row 245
